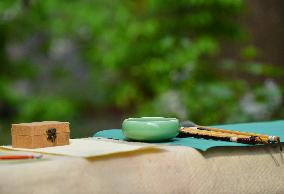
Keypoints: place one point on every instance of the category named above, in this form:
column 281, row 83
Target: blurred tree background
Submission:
column 94, row 63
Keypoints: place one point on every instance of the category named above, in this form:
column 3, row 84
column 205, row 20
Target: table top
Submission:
column 173, row 169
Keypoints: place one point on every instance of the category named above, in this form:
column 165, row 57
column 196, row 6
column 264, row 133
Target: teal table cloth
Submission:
column 273, row 128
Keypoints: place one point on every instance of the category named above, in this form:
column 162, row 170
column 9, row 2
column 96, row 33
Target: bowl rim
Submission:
column 151, row 119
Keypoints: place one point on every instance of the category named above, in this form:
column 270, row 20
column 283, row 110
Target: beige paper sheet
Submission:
column 86, row 147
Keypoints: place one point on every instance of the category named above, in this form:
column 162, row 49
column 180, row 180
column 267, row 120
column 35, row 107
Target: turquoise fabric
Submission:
column 275, row 128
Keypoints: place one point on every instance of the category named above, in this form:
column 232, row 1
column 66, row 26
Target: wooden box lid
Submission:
column 39, row 128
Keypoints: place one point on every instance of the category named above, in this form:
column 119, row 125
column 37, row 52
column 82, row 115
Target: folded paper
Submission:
column 86, row 147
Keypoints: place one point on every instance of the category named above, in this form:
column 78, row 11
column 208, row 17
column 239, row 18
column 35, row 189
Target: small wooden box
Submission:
column 40, row 134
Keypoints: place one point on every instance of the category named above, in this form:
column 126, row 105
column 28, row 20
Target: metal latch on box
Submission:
column 51, row 134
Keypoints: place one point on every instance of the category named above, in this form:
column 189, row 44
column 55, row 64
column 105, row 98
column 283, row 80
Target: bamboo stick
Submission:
column 227, row 136
column 261, row 136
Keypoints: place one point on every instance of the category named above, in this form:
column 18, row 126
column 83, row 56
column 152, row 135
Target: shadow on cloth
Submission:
column 273, row 150
column 135, row 153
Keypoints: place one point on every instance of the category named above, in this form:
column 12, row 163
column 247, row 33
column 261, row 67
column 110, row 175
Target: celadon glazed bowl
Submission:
column 150, row 129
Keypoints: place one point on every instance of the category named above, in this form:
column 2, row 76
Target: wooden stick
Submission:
column 15, row 157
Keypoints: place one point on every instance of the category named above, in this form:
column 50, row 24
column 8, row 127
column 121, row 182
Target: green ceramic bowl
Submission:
column 150, row 129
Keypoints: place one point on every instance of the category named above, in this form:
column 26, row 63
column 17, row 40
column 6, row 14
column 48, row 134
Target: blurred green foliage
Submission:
column 72, row 60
